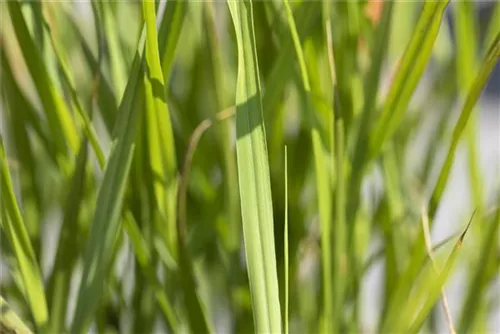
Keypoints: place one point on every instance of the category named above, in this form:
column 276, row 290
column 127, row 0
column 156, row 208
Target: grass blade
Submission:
column 466, row 65
column 418, row 254
column 281, row 71
column 18, row 238
column 159, row 134
column 286, row 244
column 413, row 309
column 395, row 250
column 88, row 128
column 433, row 291
column 10, row 322
column 58, row 287
column 493, row 28
column 106, row 222
column 223, row 130
column 105, row 97
column 478, row 284
column 339, row 232
column 253, row 176
column 21, row 104
column 428, row 246
column 22, row 118
column 164, row 169
column 60, row 121
column 323, row 186
column 410, row 70
column 475, row 90
column 370, row 103
column 115, row 54
column 197, row 315
column 144, row 259
column 170, row 28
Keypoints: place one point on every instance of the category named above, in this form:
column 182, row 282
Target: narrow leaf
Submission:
column 433, row 290
column 253, row 176
column 68, row 246
column 60, row 121
column 14, row 226
column 475, row 90
column 410, row 70
column 286, row 245
column 159, row 133
column 10, row 321
column 106, row 222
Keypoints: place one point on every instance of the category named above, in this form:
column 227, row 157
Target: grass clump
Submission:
column 231, row 167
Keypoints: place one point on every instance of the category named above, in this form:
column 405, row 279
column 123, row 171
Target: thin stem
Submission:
column 188, row 159
column 286, row 242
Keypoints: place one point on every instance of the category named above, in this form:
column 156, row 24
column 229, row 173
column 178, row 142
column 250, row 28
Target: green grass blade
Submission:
column 339, row 233
column 60, row 121
column 14, row 226
column 196, row 312
column 297, row 46
column 370, row 103
column 223, row 130
column 23, row 120
column 253, row 176
column 475, row 90
column 37, row 24
column 100, row 248
column 67, row 78
column 323, row 185
column 9, row 320
column 144, row 258
column 58, row 287
column 378, row 255
column 395, row 251
column 22, row 105
column 398, row 319
column 106, row 222
column 286, row 246
column 478, row 284
column 378, row 53
column 493, row 28
column 115, row 55
column 163, row 164
column 170, row 30
column 466, row 64
column 281, row 69
column 106, row 99
column 159, row 133
column 411, row 68
column 401, row 291
column 466, row 44
column 432, row 291
column 435, row 142
column 324, row 193
column 30, row 190
column 345, row 42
